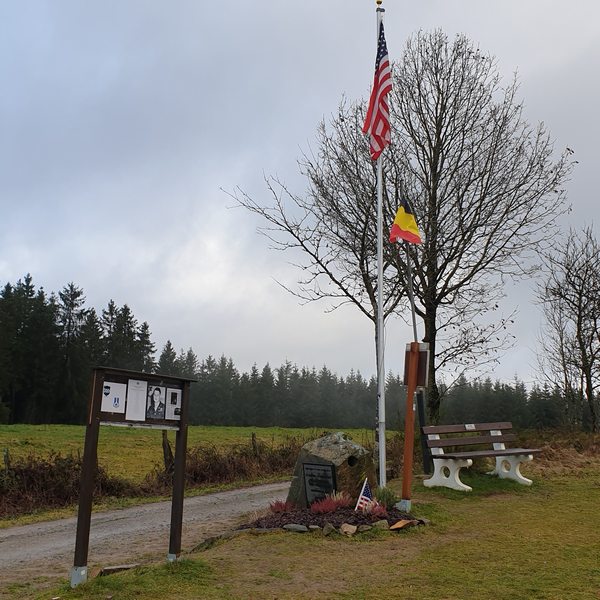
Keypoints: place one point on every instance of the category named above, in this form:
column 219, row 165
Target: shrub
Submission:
column 343, row 499
column 281, row 506
column 35, row 483
column 374, row 509
column 209, row 464
column 325, row 505
column 331, row 503
column 386, row 497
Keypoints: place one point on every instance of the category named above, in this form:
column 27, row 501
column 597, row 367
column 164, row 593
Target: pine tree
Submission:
column 167, row 361
column 267, row 396
column 34, row 354
column 145, row 349
column 72, row 388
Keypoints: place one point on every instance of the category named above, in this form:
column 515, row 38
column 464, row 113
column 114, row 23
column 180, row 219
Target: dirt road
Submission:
column 44, row 551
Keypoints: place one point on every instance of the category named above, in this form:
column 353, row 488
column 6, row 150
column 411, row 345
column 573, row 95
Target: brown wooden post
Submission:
column 87, row 481
column 179, row 478
column 409, row 426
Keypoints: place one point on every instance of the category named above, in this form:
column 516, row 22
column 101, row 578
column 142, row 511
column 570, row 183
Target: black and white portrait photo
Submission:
column 155, row 403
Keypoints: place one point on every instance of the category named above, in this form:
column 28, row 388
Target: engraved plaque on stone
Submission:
column 319, row 480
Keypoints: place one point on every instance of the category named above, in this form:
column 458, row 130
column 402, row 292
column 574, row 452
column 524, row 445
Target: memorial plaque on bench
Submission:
column 319, row 480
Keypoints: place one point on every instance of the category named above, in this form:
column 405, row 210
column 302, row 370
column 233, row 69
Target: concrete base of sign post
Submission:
column 403, row 505
column 78, row 576
column 171, row 558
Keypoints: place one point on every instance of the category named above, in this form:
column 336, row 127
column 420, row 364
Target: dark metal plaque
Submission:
column 319, row 480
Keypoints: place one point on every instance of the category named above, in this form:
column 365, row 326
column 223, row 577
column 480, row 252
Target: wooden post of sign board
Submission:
column 87, row 482
column 179, row 478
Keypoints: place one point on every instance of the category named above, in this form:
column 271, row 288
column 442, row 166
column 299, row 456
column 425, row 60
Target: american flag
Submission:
column 365, row 496
column 377, row 123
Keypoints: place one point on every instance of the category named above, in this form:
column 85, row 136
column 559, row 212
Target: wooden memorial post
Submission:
column 132, row 399
column 415, row 375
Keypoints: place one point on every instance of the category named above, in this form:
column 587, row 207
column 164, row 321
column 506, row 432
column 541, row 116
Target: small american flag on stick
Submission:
column 365, row 496
column 377, row 123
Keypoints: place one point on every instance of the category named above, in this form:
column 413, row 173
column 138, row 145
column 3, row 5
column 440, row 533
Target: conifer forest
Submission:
column 49, row 342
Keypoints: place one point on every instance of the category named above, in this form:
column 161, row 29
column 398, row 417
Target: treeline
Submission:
column 486, row 401
column 48, row 345
column 288, row 396
column 50, row 342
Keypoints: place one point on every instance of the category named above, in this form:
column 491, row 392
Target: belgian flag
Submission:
column 405, row 226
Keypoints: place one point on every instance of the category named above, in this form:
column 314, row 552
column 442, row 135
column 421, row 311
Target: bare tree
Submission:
column 482, row 180
column 484, row 185
column 332, row 229
column 570, row 345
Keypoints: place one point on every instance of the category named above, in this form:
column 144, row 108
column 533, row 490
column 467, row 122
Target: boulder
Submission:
column 295, row 527
column 330, row 463
column 348, row 529
column 382, row 524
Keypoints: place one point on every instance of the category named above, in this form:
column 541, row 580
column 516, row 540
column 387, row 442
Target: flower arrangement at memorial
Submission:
column 331, row 503
column 281, row 506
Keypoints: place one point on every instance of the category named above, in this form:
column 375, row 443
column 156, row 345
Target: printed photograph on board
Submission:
column 173, row 412
column 155, row 402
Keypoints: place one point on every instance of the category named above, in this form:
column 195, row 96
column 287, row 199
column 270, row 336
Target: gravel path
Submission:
column 137, row 534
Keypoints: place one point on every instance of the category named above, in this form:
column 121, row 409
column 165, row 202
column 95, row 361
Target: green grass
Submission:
column 500, row 542
column 131, row 453
column 184, row 579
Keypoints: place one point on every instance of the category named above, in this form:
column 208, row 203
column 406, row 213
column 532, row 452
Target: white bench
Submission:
column 446, row 443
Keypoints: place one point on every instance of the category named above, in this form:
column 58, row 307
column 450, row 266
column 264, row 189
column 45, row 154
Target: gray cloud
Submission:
column 121, row 122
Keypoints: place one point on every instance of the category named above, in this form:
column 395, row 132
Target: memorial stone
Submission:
column 330, row 463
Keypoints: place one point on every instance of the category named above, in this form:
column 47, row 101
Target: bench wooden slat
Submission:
column 429, row 429
column 470, row 441
column 480, row 453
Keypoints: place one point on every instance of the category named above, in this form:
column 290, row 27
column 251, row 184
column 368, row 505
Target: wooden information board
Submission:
column 132, row 399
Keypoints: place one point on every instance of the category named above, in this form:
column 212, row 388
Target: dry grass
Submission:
column 36, row 483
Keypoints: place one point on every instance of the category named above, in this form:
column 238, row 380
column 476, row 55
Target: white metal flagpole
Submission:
column 380, row 310
column 380, row 332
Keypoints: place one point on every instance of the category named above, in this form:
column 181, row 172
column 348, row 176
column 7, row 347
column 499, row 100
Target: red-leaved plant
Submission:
column 279, row 506
column 331, row 503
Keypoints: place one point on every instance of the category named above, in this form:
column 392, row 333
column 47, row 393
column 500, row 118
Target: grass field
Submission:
column 131, row 453
column 501, row 542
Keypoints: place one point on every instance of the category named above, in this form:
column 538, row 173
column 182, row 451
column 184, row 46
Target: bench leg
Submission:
column 509, row 467
column 446, row 473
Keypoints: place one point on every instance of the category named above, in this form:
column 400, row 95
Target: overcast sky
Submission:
column 121, row 122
